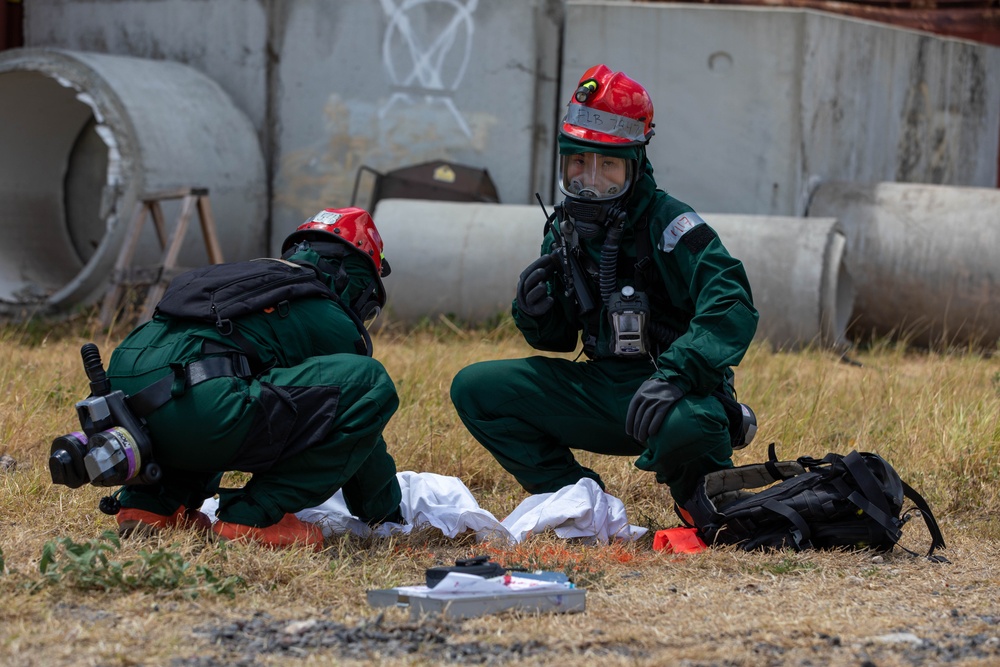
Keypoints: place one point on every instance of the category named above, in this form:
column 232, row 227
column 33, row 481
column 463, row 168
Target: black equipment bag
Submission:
column 220, row 292
column 852, row 501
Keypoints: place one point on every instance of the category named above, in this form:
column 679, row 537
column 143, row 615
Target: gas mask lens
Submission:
column 594, row 176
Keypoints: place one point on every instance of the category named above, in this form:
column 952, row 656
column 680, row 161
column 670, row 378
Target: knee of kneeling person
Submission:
column 690, row 432
column 467, row 386
column 373, row 373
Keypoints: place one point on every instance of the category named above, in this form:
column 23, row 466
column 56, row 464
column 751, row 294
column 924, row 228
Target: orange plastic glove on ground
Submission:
column 678, row 541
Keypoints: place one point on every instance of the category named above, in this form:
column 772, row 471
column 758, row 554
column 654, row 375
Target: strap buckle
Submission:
column 179, row 385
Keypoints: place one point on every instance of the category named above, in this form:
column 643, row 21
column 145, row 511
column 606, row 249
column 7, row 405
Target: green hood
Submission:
column 357, row 268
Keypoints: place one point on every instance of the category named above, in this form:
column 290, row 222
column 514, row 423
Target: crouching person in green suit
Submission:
column 662, row 309
column 293, row 396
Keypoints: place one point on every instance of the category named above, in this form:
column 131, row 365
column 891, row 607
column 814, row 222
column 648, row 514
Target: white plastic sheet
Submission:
column 581, row 511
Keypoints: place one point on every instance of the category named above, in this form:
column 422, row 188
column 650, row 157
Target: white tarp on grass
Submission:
column 582, row 511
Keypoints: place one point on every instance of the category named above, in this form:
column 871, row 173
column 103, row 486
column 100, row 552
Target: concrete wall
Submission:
column 756, row 106
column 388, row 84
column 334, row 85
column 225, row 39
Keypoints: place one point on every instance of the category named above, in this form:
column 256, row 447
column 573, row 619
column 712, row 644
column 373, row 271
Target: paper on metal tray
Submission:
column 464, row 596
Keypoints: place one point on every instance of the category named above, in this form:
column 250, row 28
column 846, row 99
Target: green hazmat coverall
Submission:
column 307, row 427
column 530, row 413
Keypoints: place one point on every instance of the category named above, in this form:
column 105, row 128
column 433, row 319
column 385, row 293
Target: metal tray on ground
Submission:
column 472, row 605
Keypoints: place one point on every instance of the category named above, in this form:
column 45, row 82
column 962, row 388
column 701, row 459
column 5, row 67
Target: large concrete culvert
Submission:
column 85, row 136
column 464, row 259
column 924, row 260
column 798, row 274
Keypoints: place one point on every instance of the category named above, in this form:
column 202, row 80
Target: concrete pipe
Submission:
column 924, row 260
column 455, row 259
column 464, row 259
column 84, row 137
column 797, row 273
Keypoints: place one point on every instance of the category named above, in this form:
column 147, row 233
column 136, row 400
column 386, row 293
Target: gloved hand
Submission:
column 649, row 407
column 532, row 288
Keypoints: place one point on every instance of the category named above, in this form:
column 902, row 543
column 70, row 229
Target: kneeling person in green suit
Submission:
column 303, row 408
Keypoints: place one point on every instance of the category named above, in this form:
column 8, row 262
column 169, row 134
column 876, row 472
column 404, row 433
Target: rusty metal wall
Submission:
column 976, row 20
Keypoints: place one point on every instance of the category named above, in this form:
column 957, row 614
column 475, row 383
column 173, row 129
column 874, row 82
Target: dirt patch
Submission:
column 246, row 643
column 432, row 639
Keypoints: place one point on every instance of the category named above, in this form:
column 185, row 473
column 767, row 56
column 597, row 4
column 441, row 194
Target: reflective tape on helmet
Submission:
column 327, row 217
column 606, row 122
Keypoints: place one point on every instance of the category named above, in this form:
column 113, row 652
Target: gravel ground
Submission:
column 430, row 639
column 244, row 643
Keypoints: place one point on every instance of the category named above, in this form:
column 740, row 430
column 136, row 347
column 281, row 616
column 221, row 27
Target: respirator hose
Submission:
column 609, row 258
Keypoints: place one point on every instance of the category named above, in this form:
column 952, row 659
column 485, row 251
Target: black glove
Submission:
column 533, row 288
column 649, row 407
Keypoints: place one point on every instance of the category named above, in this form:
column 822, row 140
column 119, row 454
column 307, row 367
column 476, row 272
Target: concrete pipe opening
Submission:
column 798, row 274
column 463, row 260
column 923, row 258
column 85, row 137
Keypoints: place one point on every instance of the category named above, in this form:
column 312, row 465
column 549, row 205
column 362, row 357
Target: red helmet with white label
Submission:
column 602, row 147
column 352, row 226
column 609, row 108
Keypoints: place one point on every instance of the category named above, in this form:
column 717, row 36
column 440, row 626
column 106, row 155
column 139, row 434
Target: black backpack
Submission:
column 853, row 501
column 222, row 293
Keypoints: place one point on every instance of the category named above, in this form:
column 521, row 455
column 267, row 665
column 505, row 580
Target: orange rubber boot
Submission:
column 684, row 516
column 290, row 531
column 132, row 521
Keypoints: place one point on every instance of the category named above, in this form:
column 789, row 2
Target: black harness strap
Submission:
column 153, row 396
column 771, row 463
column 865, row 504
column 643, row 256
column 866, row 481
column 251, row 356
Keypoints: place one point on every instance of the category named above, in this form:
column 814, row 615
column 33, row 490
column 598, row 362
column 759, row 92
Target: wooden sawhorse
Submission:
column 124, row 274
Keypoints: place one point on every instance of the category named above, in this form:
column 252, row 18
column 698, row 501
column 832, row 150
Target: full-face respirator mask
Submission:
column 596, row 189
column 366, row 304
column 113, row 448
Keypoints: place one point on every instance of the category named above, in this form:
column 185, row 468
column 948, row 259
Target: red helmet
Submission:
column 352, row 226
column 609, row 108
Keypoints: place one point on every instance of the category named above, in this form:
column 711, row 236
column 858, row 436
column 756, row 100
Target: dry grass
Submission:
column 936, row 416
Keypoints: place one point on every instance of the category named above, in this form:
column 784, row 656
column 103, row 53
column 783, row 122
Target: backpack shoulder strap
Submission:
column 866, row 481
column 878, row 510
column 937, row 539
column 800, row 533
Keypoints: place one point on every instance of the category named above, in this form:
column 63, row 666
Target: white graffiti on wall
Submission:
column 432, row 59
